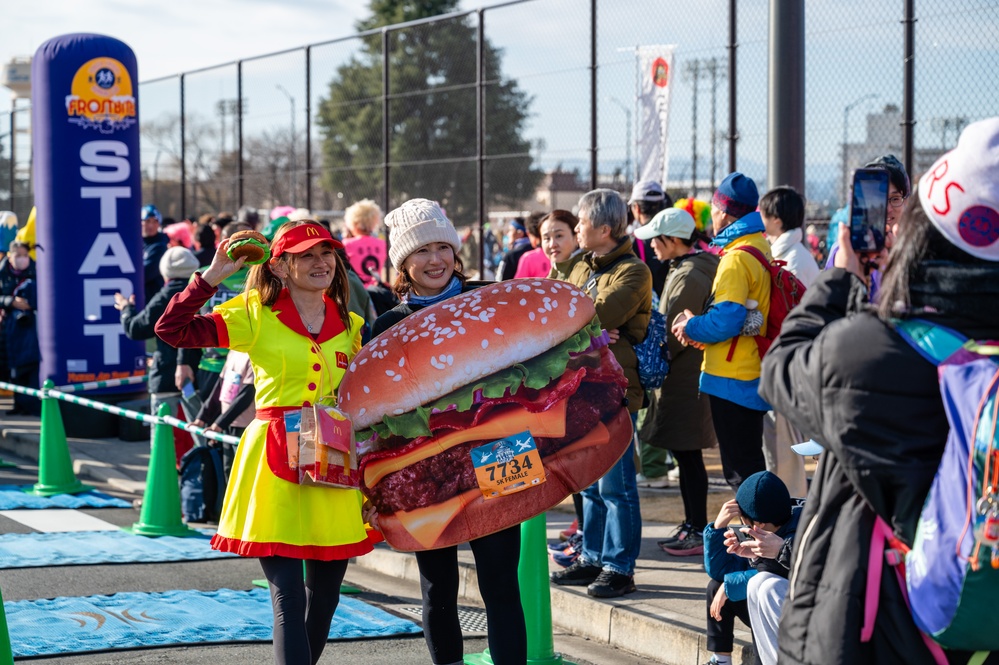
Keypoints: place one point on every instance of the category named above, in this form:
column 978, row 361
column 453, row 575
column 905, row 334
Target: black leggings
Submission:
column 496, row 559
column 303, row 608
column 739, row 431
column 721, row 634
column 693, row 487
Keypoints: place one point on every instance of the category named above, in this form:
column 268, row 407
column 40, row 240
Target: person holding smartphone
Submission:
column 752, row 536
column 899, row 189
column 885, row 431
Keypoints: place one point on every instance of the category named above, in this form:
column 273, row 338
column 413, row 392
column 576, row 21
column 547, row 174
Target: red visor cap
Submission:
column 303, row 237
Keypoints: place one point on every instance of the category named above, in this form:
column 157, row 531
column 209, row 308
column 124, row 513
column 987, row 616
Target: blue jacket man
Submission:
column 737, row 311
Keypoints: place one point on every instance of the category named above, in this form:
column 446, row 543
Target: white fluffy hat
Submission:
column 414, row 224
column 960, row 192
column 178, row 263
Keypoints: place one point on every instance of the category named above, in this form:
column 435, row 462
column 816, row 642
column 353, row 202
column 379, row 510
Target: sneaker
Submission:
column 578, row 574
column 659, row 482
column 674, row 474
column 611, row 585
column 570, row 532
column 680, row 534
column 574, row 540
column 692, row 545
column 566, row 558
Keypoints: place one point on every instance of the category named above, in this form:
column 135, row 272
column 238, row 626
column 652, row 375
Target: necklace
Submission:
column 308, row 325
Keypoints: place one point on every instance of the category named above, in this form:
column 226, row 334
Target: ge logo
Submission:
column 104, row 78
column 504, row 454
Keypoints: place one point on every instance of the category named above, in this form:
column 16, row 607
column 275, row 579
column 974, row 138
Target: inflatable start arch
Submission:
column 88, row 193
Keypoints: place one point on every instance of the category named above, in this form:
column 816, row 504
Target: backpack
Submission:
column 951, row 572
column 786, row 291
column 202, row 484
column 652, row 352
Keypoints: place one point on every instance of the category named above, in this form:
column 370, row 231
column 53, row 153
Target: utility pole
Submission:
column 713, row 71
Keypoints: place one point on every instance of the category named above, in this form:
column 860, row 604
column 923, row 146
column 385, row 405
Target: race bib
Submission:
column 508, row 465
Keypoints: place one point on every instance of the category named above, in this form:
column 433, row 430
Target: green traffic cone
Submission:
column 160, row 514
column 6, row 654
column 55, row 468
column 535, row 597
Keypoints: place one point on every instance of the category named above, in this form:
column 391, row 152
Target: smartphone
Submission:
column 869, row 209
column 187, row 390
column 740, row 536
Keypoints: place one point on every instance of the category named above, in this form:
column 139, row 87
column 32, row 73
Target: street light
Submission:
column 627, row 135
column 846, row 125
column 294, row 163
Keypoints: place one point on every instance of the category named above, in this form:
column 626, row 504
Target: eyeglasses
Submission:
column 897, row 201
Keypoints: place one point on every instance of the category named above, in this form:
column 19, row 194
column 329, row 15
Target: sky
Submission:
column 178, row 35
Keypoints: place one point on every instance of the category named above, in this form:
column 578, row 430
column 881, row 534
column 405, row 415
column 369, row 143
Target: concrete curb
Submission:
column 641, row 629
column 25, row 444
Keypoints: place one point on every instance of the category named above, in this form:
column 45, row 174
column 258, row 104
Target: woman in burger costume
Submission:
column 293, row 322
column 423, row 245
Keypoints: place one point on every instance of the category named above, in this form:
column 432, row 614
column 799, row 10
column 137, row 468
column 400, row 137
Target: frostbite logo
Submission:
column 101, row 97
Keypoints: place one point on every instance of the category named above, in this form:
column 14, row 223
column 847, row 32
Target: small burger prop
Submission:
column 484, row 410
column 252, row 245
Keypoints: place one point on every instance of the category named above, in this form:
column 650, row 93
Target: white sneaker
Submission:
column 674, row 474
column 660, row 482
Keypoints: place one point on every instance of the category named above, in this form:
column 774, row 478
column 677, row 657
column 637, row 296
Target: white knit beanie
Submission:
column 414, row 224
column 178, row 263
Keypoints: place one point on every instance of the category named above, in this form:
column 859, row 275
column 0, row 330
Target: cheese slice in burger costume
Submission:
column 492, row 363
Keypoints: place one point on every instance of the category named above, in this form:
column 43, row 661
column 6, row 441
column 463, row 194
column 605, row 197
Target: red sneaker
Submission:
column 570, row 532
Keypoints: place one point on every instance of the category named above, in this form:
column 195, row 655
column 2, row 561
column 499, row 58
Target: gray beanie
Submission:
column 178, row 263
column 414, row 224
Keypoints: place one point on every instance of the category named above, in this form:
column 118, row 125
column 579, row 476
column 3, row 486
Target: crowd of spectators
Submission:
column 706, row 272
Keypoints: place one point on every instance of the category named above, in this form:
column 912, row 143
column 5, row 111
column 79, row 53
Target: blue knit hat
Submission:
column 763, row 497
column 151, row 211
column 736, row 195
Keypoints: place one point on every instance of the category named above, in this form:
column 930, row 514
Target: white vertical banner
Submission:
column 655, row 80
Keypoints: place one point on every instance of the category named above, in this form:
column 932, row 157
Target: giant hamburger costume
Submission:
column 484, row 373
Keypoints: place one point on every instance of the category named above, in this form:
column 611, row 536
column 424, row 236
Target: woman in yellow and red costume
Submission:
column 293, row 322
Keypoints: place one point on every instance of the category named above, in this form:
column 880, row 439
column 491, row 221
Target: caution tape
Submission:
column 118, row 411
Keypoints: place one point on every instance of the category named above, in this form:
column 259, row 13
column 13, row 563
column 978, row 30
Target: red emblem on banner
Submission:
column 341, row 360
column 660, row 73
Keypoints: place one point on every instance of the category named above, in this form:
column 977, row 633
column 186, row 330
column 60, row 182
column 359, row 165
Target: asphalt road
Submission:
column 388, row 593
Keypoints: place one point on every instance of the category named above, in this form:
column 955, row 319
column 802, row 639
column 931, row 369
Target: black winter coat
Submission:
column 140, row 325
column 153, row 249
column 9, row 281
column 845, row 378
column 21, row 328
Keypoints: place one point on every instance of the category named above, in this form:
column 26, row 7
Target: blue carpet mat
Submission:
column 135, row 620
column 13, row 497
column 75, row 548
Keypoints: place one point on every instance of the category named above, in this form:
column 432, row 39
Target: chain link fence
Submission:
column 494, row 112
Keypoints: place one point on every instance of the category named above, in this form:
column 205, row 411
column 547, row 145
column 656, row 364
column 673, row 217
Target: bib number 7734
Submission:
column 508, row 465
